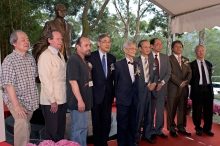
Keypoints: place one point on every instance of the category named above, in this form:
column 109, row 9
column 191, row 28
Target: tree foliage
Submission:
column 124, row 12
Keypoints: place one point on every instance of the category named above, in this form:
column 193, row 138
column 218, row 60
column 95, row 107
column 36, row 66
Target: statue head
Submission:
column 60, row 10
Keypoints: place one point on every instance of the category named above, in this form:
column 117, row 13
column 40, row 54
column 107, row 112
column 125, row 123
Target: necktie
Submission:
column 59, row 54
column 146, row 69
column 204, row 81
column 179, row 61
column 103, row 64
column 158, row 67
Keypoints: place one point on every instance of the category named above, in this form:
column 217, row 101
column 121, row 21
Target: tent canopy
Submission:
column 190, row 15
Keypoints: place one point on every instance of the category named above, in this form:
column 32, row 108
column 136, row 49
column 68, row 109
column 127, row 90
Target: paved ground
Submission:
column 216, row 101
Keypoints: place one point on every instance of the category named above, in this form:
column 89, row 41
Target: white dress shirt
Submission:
column 131, row 69
column 200, row 71
column 101, row 55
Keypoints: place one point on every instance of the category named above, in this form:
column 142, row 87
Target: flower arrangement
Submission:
column 189, row 103
column 89, row 65
column 216, row 109
column 137, row 70
column 213, row 69
column 59, row 143
column 112, row 67
column 186, row 62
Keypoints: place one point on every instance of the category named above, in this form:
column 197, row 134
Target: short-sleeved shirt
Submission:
column 78, row 70
column 20, row 72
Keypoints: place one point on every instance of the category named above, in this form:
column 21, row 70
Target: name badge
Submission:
column 90, row 83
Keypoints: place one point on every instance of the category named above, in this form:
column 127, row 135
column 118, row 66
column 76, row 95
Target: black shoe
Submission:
column 153, row 136
column 162, row 135
column 136, row 144
column 173, row 134
column 210, row 133
column 149, row 140
column 199, row 132
column 184, row 132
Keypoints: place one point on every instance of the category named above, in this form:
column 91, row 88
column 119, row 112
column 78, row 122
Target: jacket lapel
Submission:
column 126, row 69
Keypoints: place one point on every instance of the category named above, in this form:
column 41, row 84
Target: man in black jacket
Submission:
column 202, row 92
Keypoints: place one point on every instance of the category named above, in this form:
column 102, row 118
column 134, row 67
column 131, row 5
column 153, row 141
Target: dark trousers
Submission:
column 55, row 123
column 101, row 122
column 203, row 104
column 126, row 124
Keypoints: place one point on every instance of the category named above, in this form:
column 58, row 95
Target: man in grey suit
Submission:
column 178, row 91
column 162, row 65
column 147, row 82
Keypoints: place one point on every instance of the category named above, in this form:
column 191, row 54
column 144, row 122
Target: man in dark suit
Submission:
column 202, row 92
column 125, row 74
column 103, row 90
column 162, row 64
column 178, row 90
column 147, row 82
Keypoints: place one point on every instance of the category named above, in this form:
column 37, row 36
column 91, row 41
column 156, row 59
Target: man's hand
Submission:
column 151, row 86
column 54, row 107
column 183, row 84
column 81, row 106
column 20, row 111
column 159, row 86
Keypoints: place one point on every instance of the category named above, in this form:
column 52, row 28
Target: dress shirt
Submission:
column 55, row 50
column 200, row 71
column 176, row 56
column 131, row 69
column 158, row 57
column 101, row 55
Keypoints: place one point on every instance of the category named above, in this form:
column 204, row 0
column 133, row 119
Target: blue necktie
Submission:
column 103, row 64
column 204, row 81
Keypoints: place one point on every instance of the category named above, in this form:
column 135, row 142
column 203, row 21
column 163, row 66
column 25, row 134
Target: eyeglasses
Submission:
column 133, row 49
column 105, row 42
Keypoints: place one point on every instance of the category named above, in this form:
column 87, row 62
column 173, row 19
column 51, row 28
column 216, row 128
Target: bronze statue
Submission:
column 59, row 23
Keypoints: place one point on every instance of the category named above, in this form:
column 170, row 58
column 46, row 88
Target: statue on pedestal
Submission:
column 59, row 23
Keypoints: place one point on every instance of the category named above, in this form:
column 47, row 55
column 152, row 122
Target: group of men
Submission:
column 90, row 81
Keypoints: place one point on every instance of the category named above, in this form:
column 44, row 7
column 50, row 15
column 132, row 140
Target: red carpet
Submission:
column 4, row 144
column 182, row 140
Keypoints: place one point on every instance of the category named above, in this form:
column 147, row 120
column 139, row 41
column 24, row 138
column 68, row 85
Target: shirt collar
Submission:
column 129, row 60
column 158, row 54
column 143, row 58
column 101, row 54
column 54, row 50
column 176, row 56
column 199, row 61
column 19, row 54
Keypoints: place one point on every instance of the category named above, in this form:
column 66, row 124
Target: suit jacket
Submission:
column 125, row 90
column 194, row 93
column 52, row 74
column 165, row 72
column 102, row 86
column 178, row 75
column 142, row 87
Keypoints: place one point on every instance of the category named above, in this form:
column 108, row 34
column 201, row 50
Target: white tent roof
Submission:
column 190, row 15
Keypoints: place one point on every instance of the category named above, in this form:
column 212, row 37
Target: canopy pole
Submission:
column 168, row 50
